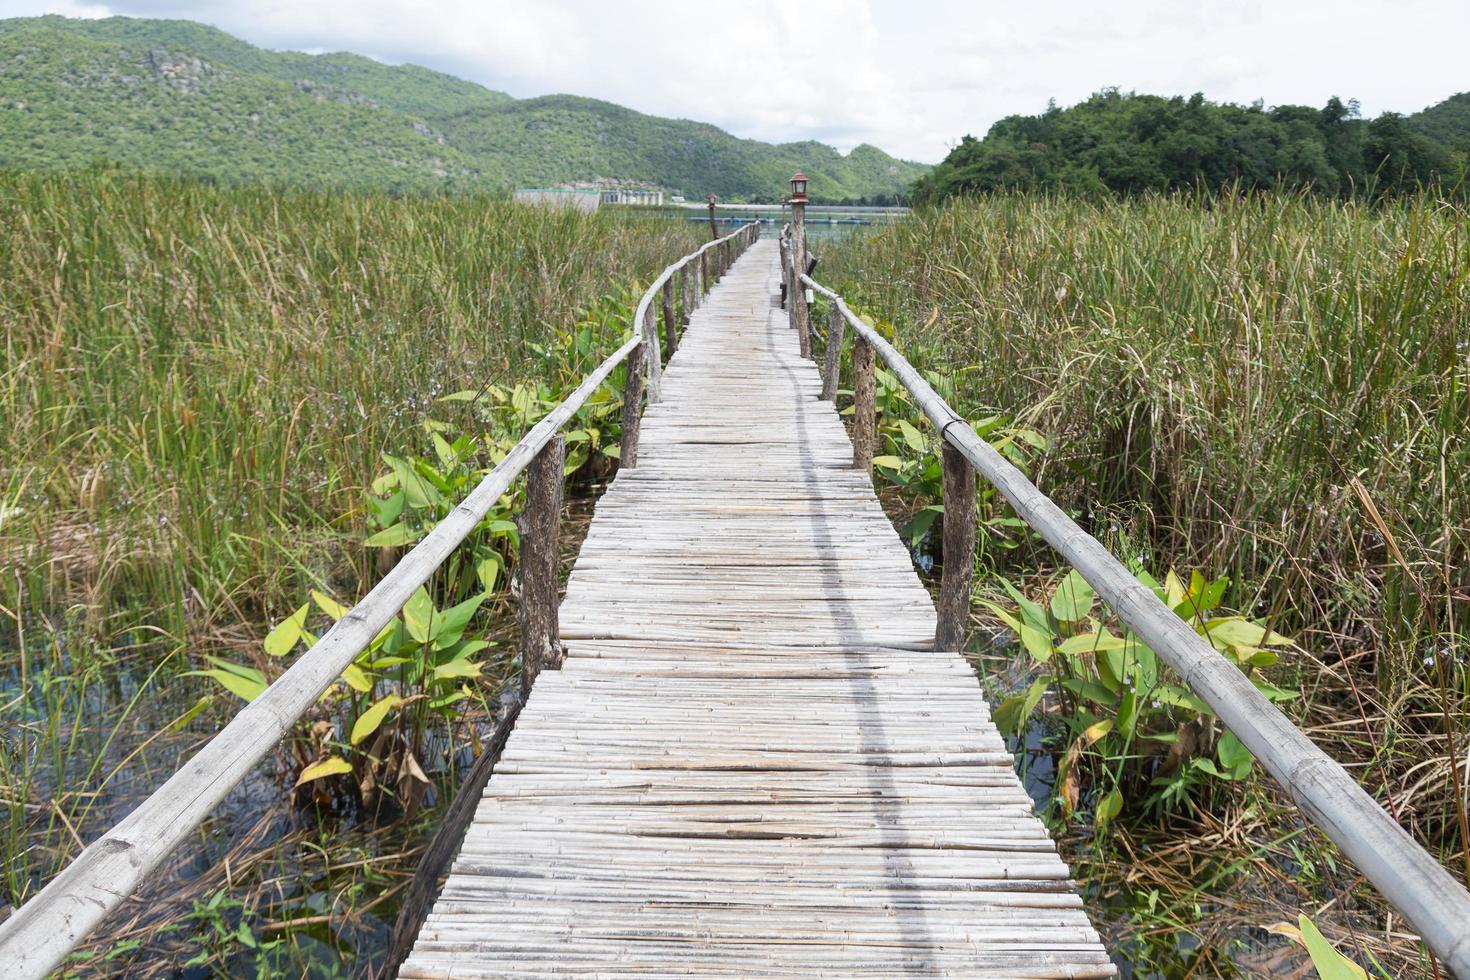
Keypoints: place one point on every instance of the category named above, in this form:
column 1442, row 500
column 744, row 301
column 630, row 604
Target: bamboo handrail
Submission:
column 1410, row 878
column 36, row 938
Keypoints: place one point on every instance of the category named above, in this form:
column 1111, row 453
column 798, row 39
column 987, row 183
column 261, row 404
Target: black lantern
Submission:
column 798, row 188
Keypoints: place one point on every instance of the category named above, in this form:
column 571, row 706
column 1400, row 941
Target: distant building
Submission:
column 581, row 198
column 632, row 195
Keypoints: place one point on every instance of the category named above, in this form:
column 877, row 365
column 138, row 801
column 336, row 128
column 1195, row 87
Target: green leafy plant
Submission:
column 417, row 669
column 1126, row 723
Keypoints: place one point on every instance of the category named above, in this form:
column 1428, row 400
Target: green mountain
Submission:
column 183, row 97
column 1446, row 123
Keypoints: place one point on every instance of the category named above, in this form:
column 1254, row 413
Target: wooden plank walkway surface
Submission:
column 752, row 763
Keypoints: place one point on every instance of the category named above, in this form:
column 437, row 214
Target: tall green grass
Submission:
column 197, row 388
column 197, row 382
column 1270, row 387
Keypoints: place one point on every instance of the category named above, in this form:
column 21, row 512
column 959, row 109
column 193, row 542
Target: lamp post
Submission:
column 797, row 306
column 713, row 231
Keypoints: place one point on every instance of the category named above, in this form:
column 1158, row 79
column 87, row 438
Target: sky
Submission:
column 910, row 77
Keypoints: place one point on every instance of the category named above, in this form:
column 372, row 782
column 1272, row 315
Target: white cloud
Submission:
column 911, row 76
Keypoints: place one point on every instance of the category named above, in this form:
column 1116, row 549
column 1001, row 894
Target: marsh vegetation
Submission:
column 1259, row 401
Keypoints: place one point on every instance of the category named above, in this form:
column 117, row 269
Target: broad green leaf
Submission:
column 1127, row 713
column 462, row 649
column 1030, row 611
column 1038, row 643
column 1169, row 694
column 913, row 437
column 1232, row 751
column 488, row 571
column 357, row 679
column 1003, row 616
column 388, row 509
column 392, row 537
column 448, row 699
column 460, row 396
column 443, row 450
column 1238, row 631
column 242, row 687
column 1073, row 599
column 420, row 491
column 1011, row 716
column 1173, row 590
column 419, row 616
column 369, row 721
column 280, row 640
column 915, row 529
column 1330, row 964
column 329, row 605
column 1096, row 730
column 891, row 462
column 1109, row 806
column 1094, row 642
column 456, row 668
column 332, row 765
column 451, row 623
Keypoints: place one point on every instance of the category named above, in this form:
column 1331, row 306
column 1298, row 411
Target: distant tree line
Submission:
column 1128, row 143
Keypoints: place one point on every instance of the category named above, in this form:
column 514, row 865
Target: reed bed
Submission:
column 1271, row 387
column 198, row 382
column 197, row 387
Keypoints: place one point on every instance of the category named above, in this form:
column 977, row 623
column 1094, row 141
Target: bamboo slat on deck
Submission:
column 751, row 763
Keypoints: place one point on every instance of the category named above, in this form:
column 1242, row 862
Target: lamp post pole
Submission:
column 800, row 318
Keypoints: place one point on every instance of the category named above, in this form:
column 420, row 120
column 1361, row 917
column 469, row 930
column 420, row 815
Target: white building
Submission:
column 632, row 195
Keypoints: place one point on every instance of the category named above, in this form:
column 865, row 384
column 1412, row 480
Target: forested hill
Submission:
column 181, row 97
column 1129, row 143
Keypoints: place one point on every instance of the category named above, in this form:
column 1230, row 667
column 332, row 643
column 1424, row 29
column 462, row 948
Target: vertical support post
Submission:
column 653, row 358
column 685, row 306
column 800, row 315
column 864, row 406
column 671, row 332
column 539, row 524
column 835, row 327
column 713, row 231
column 784, row 247
column 959, row 550
column 632, row 408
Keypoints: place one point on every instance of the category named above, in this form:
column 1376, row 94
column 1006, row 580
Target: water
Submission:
column 823, row 223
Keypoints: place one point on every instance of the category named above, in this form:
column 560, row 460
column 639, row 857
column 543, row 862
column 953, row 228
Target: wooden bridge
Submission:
column 748, row 744
column 753, row 760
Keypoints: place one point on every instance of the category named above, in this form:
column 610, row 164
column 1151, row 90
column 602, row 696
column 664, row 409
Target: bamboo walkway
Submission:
column 751, row 762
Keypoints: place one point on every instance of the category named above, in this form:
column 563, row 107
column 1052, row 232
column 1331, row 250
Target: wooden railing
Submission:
column 36, row 938
column 1409, row 877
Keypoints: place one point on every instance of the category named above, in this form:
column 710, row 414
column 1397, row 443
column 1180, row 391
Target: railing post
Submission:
column 671, row 332
column 632, row 408
column 959, row 550
column 800, row 315
column 835, row 327
column 784, row 247
column 539, row 523
column 685, row 307
column 864, row 406
column 652, row 360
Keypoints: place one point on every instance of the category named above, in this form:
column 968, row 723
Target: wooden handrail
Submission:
column 35, row 939
column 1411, row 879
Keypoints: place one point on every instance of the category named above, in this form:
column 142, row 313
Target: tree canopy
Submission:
column 1130, row 143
